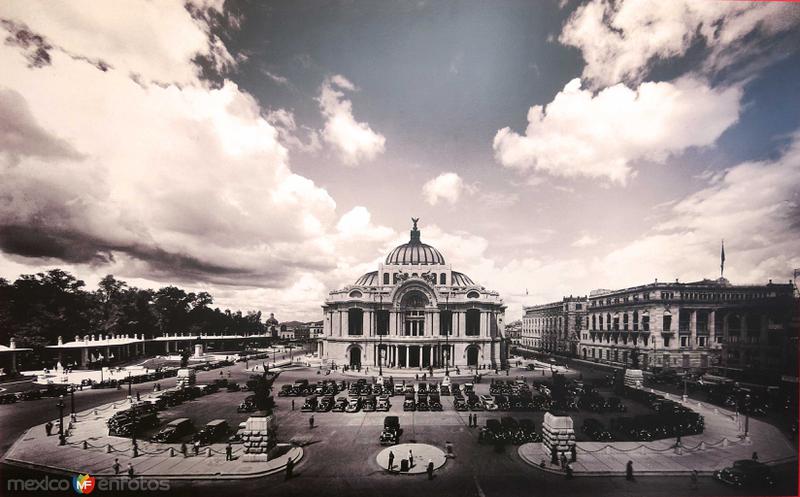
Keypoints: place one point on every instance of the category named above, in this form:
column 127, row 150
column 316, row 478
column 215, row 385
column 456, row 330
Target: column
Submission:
column 345, row 323
column 430, row 361
column 693, row 329
column 392, row 323
column 84, row 357
column 367, row 324
column 436, row 322
column 405, row 356
column 712, row 330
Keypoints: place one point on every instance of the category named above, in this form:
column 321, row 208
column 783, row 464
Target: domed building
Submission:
column 414, row 312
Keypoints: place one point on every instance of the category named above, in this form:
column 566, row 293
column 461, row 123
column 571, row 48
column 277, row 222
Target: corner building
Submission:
column 414, row 312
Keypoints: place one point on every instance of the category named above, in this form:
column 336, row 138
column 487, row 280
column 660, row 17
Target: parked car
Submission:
column 444, row 390
column 340, row 405
column 216, row 429
column 248, row 404
column 174, row 431
column 746, row 473
column 399, row 389
column 487, row 402
column 502, row 403
column 595, row 430
column 369, row 403
column 353, row 404
column 422, row 388
column 383, row 403
column 434, row 403
column 326, row 404
column 310, row 405
column 491, row 432
column 474, row 402
column 409, row 404
column 459, row 404
column 285, row 391
column 422, row 403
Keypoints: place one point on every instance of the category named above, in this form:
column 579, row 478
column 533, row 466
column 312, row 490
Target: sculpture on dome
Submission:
column 415, row 220
column 429, row 277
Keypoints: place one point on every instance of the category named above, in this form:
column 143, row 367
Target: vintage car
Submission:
column 248, row 404
column 746, row 473
column 422, row 403
column 310, row 405
column 434, row 403
column 326, row 404
column 383, row 403
column 353, row 404
column 174, row 431
column 595, row 430
column 214, row 430
column 459, row 404
column 487, row 401
column 340, row 405
column 369, row 403
column 409, row 404
column 391, row 430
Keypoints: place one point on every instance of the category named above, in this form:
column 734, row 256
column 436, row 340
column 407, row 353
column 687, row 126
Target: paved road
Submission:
column 340, row 458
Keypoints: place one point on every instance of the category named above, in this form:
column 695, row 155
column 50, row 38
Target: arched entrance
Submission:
column 472, row 356
column 355, row 357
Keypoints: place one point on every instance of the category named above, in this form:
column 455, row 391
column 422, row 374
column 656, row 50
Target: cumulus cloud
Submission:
column 619, row 39
column 601, row 135
column 447, row 187
column 354, row 141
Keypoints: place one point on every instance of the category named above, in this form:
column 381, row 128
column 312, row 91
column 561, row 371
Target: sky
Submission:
column 270, row 152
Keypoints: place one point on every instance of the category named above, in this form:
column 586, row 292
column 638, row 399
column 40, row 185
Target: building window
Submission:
column 667, row 325
column 625, row 321
column 701, row 341
column 684, row 341
column 385, row 278
column 382, row 322
column 446, row 323
column 666, row 341
column 683, row 320
column 443, row 279
column 646, row 323
column 414, row 323
column 355, row 322
column 473, row 324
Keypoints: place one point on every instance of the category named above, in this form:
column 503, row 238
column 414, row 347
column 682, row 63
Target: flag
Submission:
column 722, row 259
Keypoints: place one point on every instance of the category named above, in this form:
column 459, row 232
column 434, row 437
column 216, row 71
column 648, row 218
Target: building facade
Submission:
column 698, row 326
column 554, row 327
column 414, row 312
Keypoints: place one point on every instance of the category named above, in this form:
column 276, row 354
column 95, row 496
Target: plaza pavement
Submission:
column 91, row 450
column 720, row 443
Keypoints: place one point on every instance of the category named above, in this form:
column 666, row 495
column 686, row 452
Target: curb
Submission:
column 199, row 476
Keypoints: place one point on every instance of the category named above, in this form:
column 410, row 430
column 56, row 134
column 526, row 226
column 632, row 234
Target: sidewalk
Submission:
column 91, row 450
column 717, row 447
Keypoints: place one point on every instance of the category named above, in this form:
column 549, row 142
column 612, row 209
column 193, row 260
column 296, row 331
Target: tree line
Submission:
column 38, row 308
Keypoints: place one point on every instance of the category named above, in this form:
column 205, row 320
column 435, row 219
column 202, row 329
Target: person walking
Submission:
column 573, row 453
column 410, row 459
column 563, row 460
column 196, row 447
column 48, row 428
column 293, row 404
column 311, row 422
column 130, row 470
column 629, row 471
column 116, row 466
column 289, row 468
column 430, row 469
column 391, row 460
column 755, row 456
column 229, row 452
column 568, row 471
column 183, row 448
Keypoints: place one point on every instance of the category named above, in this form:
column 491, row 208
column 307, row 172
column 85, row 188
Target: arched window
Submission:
column 594, row 322
column 608, row 321
column 473, row 295
column 635, row 320
column 385, row 278
column 355, row 294
column 443, row 279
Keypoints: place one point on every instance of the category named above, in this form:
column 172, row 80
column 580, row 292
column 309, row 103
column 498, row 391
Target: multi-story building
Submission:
column 414, row 312
column 739, row 330
column 514, row 332
column 555, row 327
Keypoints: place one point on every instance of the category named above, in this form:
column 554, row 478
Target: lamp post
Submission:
column 60, row 405
column 746, row 415
column 134, row 425
column 380, row 337
column 447, row 335
column 130, row 386
column 72, row 401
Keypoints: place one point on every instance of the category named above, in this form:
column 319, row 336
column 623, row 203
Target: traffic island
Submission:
column 402, row 464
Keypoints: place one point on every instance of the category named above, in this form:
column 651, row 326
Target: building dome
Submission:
column 369, row 279
column 414, row 252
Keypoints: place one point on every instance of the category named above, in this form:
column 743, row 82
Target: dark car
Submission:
column 369, row 404
column 434, row 403
column 340, row 405
column 248, row 404
column 285, row 390
column 174, row 431
column 391, row 430
column 474, row 402
column 746, row 473
column 310, row 405
column 459, row 404
column 212, row 431
column 422, row 403
column 422, row 388
column 326, row 404
column 595, row 430
column 444, row 390
column 409, row 404
column 491, row 432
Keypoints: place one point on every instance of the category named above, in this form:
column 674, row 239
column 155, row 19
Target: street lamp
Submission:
column 380, row 337
column 72, row 401
column 61, row 439
column 130, row 386
column 447, row 334
column 746, row 415
column 134, row 424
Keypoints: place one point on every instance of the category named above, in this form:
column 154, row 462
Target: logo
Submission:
column 83, row 484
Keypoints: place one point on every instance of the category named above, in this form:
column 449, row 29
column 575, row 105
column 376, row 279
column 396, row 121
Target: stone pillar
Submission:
column 84, row 357
column 692, row 329
column 367, row 323
column 435, row 316
column 430, row 359
column 198, row 350
column 405, row 356
column 345, row 320
column 392, row 323
column 712, row 328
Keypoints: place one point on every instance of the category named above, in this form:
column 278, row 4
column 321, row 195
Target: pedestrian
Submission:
column 289, row 468
column 430, row 469
column 563, row 461
column 130, row 470
column 410, row 459
column 391, row 460
column 183, row 448
column 694, row 478
column 416, row 376
column 229, row 452
column 568, row 471
column 629, row 471
column 755, row 456
column 311, row 422
column 573, row 453
column 293, row 404
column 196, row 447
column 448, row 448
column 48, row 428
column 116, row 466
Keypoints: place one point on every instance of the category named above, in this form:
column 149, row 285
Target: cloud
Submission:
column 601, row 135
column 585, row 241
column 160, row 43
column 281, row 80
column 354, row 141
column 619, row 39
column 447, row 187
column 283, row 120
